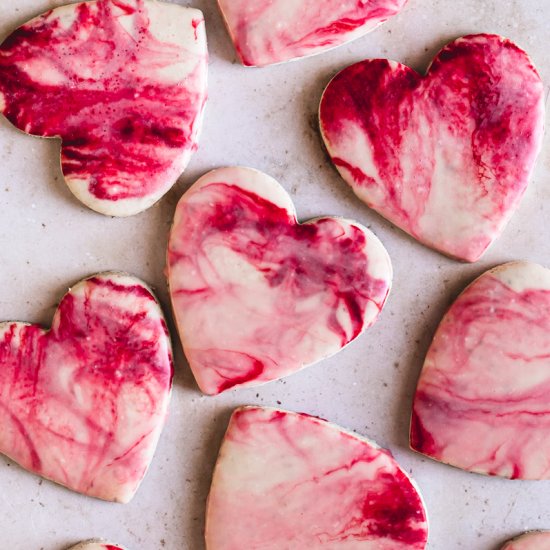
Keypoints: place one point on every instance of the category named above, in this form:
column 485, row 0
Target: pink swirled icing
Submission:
column 537, row 540
column 272, row 31
column 482, row 398
column 446, row 157
column 122, row 83
column 96, row 545
column 257, row 295
column 83, row 404
column 292, row 481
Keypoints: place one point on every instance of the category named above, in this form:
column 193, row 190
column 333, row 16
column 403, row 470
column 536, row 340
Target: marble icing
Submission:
column 122, row 83
column 539, row 540
column 482, row 398
column 291, row 481
column 446, row 156
column 83, row 404
column 272, row 31
column 96, row 545
column 256, row 294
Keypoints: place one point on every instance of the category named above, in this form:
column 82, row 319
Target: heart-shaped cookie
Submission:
column 83, row 404
column 96, row 545
column 482, row 398
column 272, row 31
column 122, row 83
column 446, row 157
column 292, row 481
column 257, row 295
column 535, row 540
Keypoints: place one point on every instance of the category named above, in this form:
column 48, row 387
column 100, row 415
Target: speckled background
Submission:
column 266, row 119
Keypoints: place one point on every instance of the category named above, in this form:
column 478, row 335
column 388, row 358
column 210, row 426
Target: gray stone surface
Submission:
column 265, row 118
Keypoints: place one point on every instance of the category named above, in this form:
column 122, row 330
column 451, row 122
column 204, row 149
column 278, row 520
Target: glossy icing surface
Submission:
column 272, row 31
column 446, row 157
column 292, row 481
column 482, row 398
column 83, row 404
column 257, row 295
column 123, row 83
column 96, row 545
column 530, row 541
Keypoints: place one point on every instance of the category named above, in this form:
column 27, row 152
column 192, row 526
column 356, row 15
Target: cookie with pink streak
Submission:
column 273, row 31
column 97, row 545
column 122, row 83
column 257, row 295
column 482, row 398
column 447, row 156
column 536, row 540
column 292, row 481
column 83, row 404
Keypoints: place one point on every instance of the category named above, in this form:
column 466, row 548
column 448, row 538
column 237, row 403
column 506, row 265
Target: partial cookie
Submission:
column 122, row 83
column 272, row 31
column 482, row 398
column 536, row 540
column 447, row 156
column 97, row 545
column 292, row 481
column 258, row 296
column 83, row 404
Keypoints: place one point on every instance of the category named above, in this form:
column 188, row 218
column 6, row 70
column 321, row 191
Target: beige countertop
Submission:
column 266, row 118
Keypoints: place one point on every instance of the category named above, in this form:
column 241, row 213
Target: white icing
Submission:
column 522, row 276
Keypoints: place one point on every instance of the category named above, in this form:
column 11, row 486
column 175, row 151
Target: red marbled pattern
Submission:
column 482, row 398
column 292, row 481
column 123, row 83
column 96, row 545
column 257, row 295
column 446, row 157
column 536, row 540
column 272, row 31
column 83, row 404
